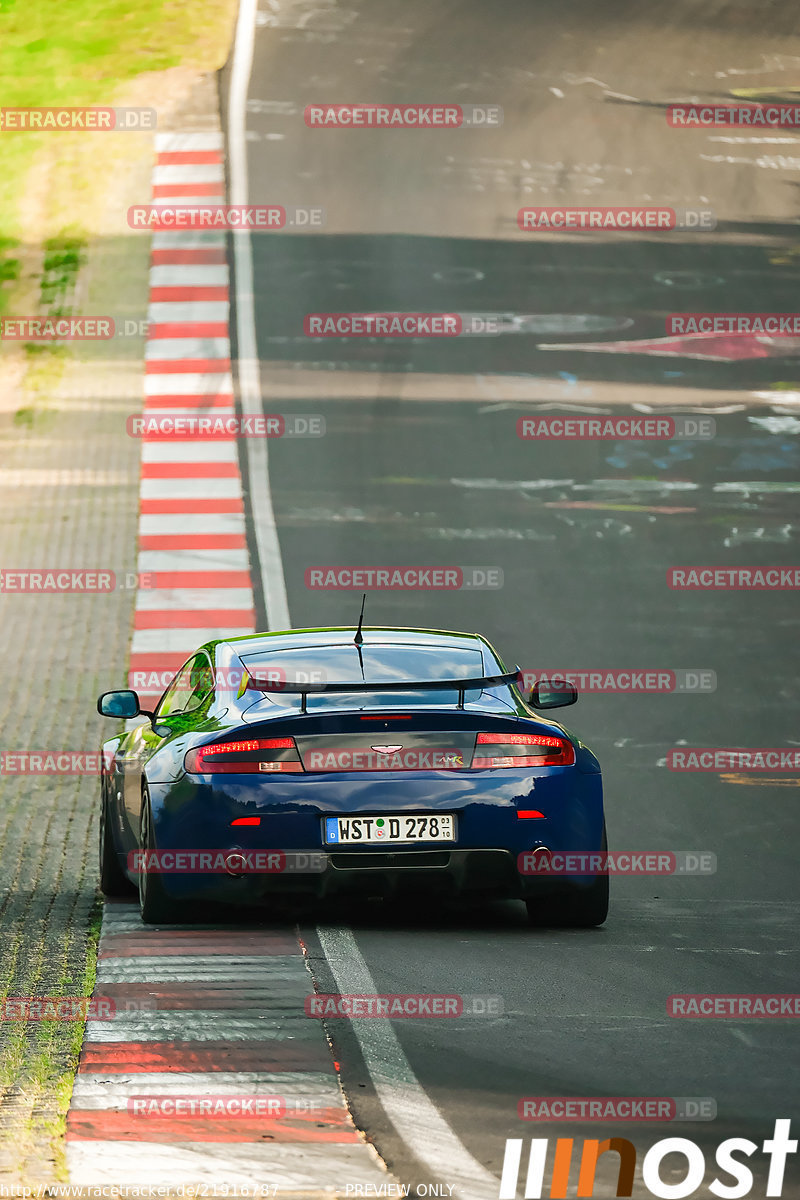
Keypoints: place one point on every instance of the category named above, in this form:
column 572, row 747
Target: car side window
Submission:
column 188, row 689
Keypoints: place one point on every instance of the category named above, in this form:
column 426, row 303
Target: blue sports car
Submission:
column 384, row 761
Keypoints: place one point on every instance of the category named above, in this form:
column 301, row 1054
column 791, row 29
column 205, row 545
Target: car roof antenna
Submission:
column 358, row 639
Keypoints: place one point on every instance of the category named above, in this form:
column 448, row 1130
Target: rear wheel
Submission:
column 155, row 906
column 582, row 908
column 113, row 880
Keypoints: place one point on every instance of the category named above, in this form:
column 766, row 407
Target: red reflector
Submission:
column 247, row 821
column 523, row 814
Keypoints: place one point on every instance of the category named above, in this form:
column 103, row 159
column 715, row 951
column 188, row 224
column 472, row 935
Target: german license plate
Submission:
column 372, row 831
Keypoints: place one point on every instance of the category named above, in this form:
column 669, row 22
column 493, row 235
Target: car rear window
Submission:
column 381, row 664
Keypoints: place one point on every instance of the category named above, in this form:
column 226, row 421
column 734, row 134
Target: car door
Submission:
column 173, row 716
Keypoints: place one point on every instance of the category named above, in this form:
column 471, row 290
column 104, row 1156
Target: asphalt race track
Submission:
column 421, row 464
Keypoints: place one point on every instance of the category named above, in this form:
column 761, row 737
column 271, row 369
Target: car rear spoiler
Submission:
column 261, row 684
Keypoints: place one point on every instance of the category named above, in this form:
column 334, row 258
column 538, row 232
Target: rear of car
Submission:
column 402, row 781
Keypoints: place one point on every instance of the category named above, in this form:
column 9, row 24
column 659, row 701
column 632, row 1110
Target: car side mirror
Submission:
column 124, row 704
column 556, row 694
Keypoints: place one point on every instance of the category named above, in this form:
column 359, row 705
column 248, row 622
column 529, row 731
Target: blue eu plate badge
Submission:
column 331, row 829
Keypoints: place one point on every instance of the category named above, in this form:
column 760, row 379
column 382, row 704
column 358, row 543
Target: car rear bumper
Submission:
column 477, row 873
column 487, row 858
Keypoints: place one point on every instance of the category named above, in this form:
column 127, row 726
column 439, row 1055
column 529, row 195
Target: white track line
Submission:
column 263, row 515
column 415, row 1117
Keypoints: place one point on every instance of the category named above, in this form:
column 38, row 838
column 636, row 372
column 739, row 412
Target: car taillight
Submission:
column 522, row 750
column 260, row 756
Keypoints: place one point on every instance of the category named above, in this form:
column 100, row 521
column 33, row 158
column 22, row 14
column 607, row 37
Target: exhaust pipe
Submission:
column 235, row 863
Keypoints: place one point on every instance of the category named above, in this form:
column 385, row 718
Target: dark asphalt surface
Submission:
column 426, row 222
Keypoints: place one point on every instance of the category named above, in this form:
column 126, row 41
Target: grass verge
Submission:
column 85, row 52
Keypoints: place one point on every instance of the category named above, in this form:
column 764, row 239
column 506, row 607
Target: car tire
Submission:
column 155, row 906
column 113, row 880
column 580, row 908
